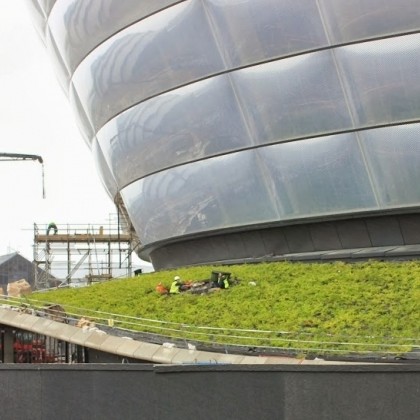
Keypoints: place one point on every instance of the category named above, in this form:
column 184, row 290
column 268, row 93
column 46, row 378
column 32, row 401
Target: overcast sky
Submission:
column 35, row 118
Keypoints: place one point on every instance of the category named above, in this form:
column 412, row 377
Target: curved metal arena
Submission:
column 235, row 130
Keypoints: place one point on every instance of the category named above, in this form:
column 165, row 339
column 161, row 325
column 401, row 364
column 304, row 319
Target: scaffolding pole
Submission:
column 66, row 256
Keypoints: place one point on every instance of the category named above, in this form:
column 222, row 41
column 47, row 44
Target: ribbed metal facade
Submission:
column 215, row 123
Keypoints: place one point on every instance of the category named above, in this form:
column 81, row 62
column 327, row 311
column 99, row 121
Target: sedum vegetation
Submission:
column 300, row 307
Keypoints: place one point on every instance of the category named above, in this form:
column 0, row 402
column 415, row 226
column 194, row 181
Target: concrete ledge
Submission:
column 128, row 347
column 373, row 252
column 407, row 250
column 155, row 353
column 146, row 351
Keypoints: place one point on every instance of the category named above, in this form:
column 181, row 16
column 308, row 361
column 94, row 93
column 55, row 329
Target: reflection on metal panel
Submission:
column 290, row 98
column 250, row 31
column 79, row 26
column 393, row 154
column 217, row 193
column 319, row 176
column 360, row 19
column 82, row 120
column 162, row 52
column 381, row 78
column 103, row 169
column 209, row 115
column 190, row 123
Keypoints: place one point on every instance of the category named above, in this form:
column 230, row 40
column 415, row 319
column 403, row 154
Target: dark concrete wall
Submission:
column 256, row 243
column 128, row 391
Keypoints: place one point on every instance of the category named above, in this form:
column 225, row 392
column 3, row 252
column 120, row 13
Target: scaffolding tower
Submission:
column 80, row 254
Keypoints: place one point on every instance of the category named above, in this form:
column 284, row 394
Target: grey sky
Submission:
column 35, row 118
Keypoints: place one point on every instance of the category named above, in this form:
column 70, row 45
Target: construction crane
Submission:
column 19, row 156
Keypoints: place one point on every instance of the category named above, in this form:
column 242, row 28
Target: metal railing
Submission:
column 228, row 339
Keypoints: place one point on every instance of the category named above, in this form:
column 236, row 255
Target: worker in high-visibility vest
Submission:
column 176, row 285
column 223, row 281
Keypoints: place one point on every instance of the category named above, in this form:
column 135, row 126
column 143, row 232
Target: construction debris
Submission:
column 18, row 288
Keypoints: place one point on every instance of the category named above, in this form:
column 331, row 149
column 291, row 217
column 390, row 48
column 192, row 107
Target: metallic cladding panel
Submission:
column 299, row 96
column 221, row 114
column 393, row 156
column 197, row 121
column 381, row 79
column 300, row 242
column 253, row 244
column 326, row 175
column 353, row 234
column 249, row 31
column 236, row 248
column 410, row 228
column 274, row 241
column 353, row 20
column 384, row 231
column 324, row 236
column 82, row 120
column 62, row 73
column 102, row 167
column 79, row 26
column 299, row 238
column 216, row 193
column 161, row 52
column 39, row 11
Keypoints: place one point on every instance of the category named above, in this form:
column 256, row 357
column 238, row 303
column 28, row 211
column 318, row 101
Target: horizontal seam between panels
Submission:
column 257, row 63
column 119, row 30
column 273, row 143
